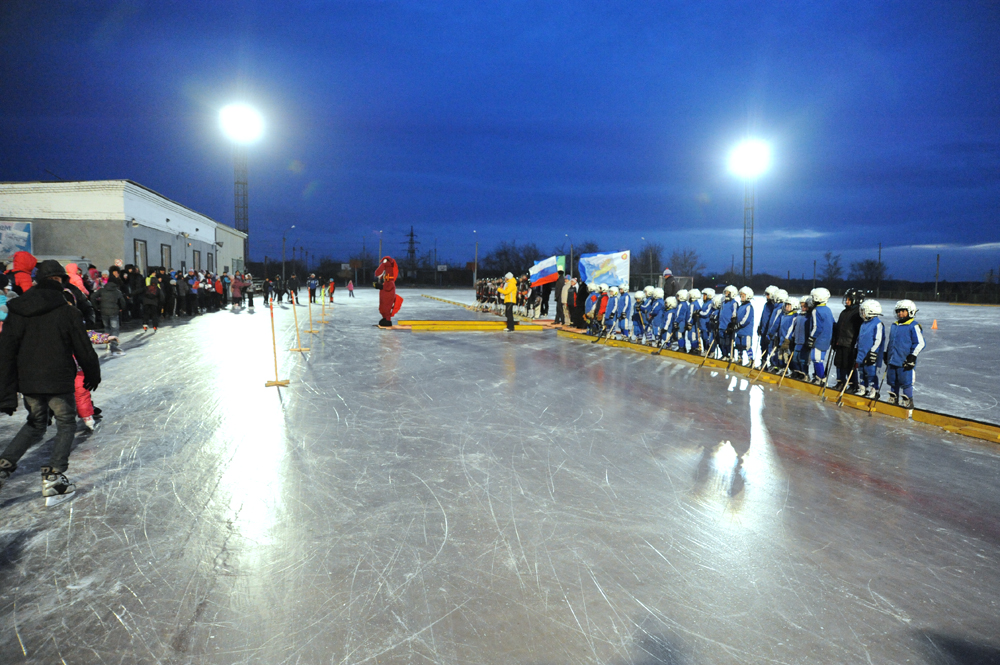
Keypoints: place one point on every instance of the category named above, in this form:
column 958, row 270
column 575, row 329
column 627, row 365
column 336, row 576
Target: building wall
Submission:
column 100, row 221
column 231, row 252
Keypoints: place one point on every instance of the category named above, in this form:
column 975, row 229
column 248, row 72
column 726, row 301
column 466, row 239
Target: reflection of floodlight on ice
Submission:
column 241, row 123
column 750, row 158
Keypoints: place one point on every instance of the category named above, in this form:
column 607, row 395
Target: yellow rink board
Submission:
column 954, row 424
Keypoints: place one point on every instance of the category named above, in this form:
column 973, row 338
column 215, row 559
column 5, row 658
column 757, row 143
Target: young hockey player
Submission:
column 713, row 325
column 727, row 320
column 803, row 322
column 625, row 306
column 820, row 334
column 906, row 341
column 611, row 312
column 639, row 315
column 770, row 305
column 669, row 319
column 871, row 345
column 771, row 326
column 744, row 327
column 704, row 317
column 681, row 319
column 656, row 314
column 784, row 340
column 691, row 331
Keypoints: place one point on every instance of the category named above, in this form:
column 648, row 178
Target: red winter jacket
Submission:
column 24, row 263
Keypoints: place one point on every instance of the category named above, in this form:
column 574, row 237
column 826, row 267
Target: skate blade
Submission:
column 59, row 498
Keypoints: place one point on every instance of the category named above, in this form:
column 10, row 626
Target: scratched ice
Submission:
column 490, row 498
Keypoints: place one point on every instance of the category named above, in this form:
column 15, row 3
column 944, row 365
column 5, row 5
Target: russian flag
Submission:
column 544, row 272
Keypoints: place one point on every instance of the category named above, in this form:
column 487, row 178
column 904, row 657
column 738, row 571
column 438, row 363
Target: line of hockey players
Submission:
column 798, row 337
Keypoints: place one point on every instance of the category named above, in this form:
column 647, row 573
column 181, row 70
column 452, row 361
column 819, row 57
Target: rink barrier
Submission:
column 964, row 426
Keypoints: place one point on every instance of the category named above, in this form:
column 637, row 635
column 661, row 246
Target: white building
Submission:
column 105, row 222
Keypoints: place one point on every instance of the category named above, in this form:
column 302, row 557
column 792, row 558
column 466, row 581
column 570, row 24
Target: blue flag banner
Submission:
column 610, row 269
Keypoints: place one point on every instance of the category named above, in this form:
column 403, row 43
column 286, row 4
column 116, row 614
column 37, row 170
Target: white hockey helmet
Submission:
column 717, row 301
column 771, row 291
column 747, row 293
column 694, row 295
column 781, row 296
column 671, row 302
column 640, row 296
column 649, row 290
column 730, row 292
column 820, row 295
column 658, row 293
column 908, row 305
column 603, row 287
column 613, row 290
column 870, row 309
column 793, row 301
column 708, row 294
column 807, row 302
column 682, row 295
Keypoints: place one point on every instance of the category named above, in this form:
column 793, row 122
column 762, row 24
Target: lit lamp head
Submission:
column 241, row 123
column 750, row 159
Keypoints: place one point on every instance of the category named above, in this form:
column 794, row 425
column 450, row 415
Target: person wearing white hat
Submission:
column 509, row 293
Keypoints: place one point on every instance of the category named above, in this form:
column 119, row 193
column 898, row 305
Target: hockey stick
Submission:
column 788, row 363
column 604, row 329
column 660, row 345
column 830, row 355
column 732, row 347
column 763, row 365
column 708, row 353
column 878, row 391
column 840, row 398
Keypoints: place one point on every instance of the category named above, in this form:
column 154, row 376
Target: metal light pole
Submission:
column 243, row 125
column 570, row 255
column 475, row 265
column 749, row 160
column 283, row 236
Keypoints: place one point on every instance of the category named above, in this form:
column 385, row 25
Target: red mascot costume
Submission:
column 388, row 302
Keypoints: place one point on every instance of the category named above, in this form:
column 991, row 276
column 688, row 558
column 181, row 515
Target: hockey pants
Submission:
column 900, row 381
column 818, row 359
column 744, row 343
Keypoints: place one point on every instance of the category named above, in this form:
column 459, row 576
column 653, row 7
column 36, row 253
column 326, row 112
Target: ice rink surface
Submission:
column 490, row 498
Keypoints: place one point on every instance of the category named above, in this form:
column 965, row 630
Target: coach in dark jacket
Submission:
column 40, row 338
column 845, row 338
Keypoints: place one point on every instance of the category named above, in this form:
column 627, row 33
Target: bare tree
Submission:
column 648, row 260
column 869, row 272
column 685, row 262
column 587, row 247
column 509, row 257
column 832, row 271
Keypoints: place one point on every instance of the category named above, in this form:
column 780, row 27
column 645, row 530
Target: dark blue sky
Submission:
column 530, row 120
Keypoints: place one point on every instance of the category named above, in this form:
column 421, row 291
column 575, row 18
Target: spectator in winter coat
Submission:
column 75, row 278
column 43, row 335
column 152, row 298
column 350, row 288
column 559, row 288
column 312, row 284
column 109, row 301
column 845, row 339
column 20, row 272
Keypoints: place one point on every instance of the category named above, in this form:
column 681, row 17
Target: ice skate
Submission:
column 861, row 391
column 892, row 398
column 906, row 402
column 6, row 469
column 872, row 392
column 117, row 353
column 56, row 488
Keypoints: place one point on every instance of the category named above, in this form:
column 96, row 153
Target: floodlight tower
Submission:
column 749, row 160
column 242, row 125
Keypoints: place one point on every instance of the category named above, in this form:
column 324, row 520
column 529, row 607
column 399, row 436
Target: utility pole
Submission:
column 436, row 262
column 814, row 273
column 475, row 264
column 878, row 276
column 265, row 266
column 937, row 273
column 364, row 257
column 411, row 250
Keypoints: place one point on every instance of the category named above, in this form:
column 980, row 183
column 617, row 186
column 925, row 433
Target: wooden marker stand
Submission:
column 274, row 343
column 322, row 316
column 298, row 338
column 311, row 330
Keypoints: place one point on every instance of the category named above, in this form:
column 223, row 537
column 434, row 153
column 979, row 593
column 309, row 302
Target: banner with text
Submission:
column 14, row 237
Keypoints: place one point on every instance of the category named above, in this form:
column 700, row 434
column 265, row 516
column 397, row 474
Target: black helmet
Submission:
column 854, row 295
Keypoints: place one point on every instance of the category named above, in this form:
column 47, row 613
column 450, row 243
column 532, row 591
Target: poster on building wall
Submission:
column 14, row 237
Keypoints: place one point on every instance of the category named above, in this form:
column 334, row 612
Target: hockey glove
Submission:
column 910, row 362
column 687, row 328
column 871, row 358
column 810, row 342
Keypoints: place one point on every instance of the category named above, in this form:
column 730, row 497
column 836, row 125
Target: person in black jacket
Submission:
column 845, row 339
column 41, row 337
column 152, row 300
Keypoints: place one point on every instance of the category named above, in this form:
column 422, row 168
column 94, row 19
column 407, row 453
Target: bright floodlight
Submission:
column 750, row 158
column 241, row 123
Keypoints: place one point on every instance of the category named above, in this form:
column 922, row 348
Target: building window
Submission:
column 211, row 261
column 165, row 257
column 196, row 259
column 140, row 255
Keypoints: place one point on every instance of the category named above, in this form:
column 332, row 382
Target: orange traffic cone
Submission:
column 934, row 325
